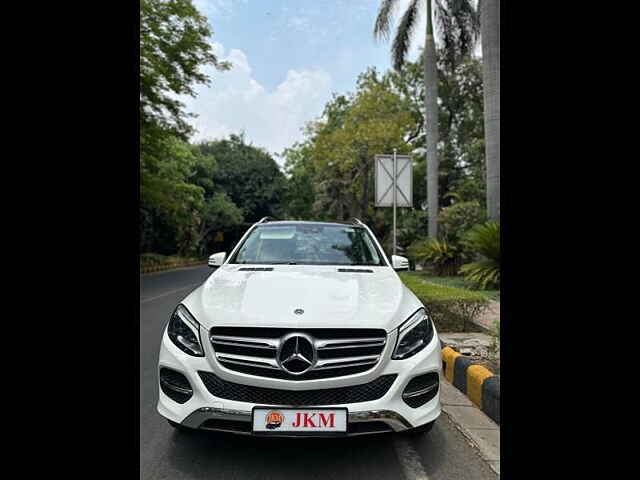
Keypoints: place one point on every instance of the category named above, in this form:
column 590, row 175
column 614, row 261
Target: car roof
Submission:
column 302, row 222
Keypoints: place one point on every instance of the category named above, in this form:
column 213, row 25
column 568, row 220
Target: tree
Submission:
column 300, row 195
column 168, row 199
column 458, row 26
column 375, row 119
column 218, row 212
column 462, row 163
column 248, row 175
column 490, row 24
column 181, row 203
column 174, row 44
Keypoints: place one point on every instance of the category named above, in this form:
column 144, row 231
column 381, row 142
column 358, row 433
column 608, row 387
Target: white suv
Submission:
column 305, row 330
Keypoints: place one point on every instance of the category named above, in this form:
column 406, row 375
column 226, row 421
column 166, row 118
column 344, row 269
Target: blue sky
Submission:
column 288, row 57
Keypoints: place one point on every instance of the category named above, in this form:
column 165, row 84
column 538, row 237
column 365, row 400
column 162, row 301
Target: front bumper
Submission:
column 388, row 413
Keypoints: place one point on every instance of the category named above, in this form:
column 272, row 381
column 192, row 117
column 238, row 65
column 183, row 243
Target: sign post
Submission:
column 395, row 198
column 394, row 184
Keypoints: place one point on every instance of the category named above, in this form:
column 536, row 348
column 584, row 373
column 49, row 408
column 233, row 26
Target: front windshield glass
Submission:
column 309, row 245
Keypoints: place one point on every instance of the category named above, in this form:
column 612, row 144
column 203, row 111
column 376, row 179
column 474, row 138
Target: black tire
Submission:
column 179, row 427
column 421, row 430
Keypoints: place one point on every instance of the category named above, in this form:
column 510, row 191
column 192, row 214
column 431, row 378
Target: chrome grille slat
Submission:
column 339, row 352
column 350, row 343
column 248, row 364
column 347, row 361
column 270, row 343
column 247, row 360
column 356, row 364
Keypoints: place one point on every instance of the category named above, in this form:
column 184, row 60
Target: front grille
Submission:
column 273, row 396
column 175, row 385
column 341, row 351
column 312, row 375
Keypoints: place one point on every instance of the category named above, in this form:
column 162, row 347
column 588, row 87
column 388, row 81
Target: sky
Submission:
column 288, row 57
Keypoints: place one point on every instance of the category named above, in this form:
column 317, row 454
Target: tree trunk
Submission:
column 490, row 31
column 431, row 124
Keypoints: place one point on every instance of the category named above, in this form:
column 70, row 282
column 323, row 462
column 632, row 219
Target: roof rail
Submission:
column 357, row 221
column 264, row 220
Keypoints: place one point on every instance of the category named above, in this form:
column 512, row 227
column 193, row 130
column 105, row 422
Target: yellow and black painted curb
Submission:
column 475, row 381
column 160, row 268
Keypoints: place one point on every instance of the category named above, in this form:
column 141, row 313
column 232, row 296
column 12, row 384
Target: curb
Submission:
column 479, row 384
column 160, row 268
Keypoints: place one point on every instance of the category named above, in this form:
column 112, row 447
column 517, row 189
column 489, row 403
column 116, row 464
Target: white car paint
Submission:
column 329, row 298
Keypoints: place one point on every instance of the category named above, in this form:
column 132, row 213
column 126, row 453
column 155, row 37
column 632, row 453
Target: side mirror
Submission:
column 217, row 259
column 399, row 263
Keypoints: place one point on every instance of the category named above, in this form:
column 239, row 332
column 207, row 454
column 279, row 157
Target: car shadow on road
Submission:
column 201, row 454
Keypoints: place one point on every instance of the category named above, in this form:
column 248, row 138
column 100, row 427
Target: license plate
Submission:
column 302, row 421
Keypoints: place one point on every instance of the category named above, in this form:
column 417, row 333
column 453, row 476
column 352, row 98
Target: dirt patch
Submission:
column 489, row 316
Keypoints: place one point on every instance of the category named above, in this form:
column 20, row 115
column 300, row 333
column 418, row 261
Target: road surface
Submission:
column 443, row 454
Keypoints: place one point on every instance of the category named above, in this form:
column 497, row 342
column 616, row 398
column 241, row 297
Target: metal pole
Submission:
column 395, row 193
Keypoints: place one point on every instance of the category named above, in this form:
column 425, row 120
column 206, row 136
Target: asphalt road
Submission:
column 443, row 454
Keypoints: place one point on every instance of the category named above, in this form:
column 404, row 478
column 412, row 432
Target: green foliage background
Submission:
column 199, row 198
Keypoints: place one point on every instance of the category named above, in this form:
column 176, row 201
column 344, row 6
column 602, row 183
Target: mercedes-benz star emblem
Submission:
column 297, row 354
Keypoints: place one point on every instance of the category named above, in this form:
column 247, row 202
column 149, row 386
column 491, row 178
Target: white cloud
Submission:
column 216, row 7
column 272, row 119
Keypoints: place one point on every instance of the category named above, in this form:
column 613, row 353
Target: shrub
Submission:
column 444, row 257
column 410, row 224
column 155, row 261
column 452, row 309
column 152, row 259
column 484, row 239
column 455, row 221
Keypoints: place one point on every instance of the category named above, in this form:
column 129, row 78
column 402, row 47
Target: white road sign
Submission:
column 384, row 181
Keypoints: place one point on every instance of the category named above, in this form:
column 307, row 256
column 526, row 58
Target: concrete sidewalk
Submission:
column 477, row 427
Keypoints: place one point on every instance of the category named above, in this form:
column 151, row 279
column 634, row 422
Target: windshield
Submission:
column 309, row 245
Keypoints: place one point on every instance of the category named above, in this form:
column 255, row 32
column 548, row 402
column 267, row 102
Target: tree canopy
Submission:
column 199, row 198
column 174, row 45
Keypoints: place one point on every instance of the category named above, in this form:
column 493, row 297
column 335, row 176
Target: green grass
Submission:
column 457, row 282
column 424, row 287
column 453, row 309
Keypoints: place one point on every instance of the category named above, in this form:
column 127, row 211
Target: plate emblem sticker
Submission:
column 274, row 420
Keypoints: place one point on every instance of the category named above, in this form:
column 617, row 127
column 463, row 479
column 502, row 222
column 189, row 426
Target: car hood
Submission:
column 373, row 299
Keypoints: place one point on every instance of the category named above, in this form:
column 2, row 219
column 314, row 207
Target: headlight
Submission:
column 413, row 335
column 184, row 332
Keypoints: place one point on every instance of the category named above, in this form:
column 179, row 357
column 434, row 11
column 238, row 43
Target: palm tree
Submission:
column 457, row 24
column 490, row 24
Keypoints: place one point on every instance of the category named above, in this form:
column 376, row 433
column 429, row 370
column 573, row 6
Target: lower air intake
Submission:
column 175, row 385
column 272, row 396
column 421, row 389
